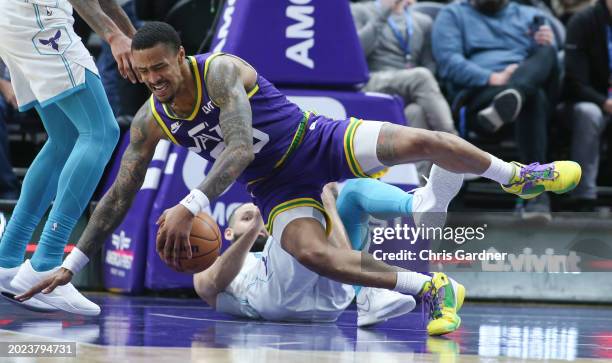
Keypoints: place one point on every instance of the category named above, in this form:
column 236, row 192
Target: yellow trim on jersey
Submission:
column 208, row 60
column 253, row 91
column 161, row 122
column 295, row 142
column 295, row 203
column 349, row 151
column 250, row 94
column 198, row 83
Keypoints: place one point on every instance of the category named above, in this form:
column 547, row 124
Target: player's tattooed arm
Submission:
column 144, row 136
column 116, row 13
column 226, row 89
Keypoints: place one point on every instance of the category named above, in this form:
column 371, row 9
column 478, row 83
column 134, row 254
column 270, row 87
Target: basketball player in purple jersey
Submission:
column 219, row 107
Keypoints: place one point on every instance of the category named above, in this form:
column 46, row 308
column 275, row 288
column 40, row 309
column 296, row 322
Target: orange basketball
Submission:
column 205, row 240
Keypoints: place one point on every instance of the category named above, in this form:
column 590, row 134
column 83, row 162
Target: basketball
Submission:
column 205, row 240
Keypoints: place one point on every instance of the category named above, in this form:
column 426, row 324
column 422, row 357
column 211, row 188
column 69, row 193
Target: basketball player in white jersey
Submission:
column 273, row 285
column 52, row 71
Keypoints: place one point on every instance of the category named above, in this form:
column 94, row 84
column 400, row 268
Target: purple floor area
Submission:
column 488, row 330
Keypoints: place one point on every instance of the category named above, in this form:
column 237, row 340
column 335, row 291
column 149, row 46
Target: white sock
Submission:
column 410, row 283
column 500, row 171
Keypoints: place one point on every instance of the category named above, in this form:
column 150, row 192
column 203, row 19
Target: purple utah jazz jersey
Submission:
column 275, row 122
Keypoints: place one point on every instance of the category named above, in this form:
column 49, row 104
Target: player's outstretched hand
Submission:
column 173, row 235
column 121, row 47
column 60, row 277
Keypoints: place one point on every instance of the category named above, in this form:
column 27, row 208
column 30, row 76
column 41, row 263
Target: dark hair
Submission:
column 155, row 32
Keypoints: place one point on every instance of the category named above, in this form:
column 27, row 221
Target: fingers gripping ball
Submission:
column 205, row 240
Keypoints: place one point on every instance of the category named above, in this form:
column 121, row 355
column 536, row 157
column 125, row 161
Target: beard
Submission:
column 489, row 7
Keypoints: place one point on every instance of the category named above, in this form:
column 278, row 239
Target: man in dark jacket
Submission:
column 589, row 89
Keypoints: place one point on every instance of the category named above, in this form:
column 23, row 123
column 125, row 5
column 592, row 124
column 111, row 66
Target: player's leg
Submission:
column 37, row 192
column 400, row 144
column 305, row 240
column 360, row 198
column 39, row 185
column 91, row 115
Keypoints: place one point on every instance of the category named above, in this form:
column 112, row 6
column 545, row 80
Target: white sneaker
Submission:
column 8, row 292
column 378, row 305
column 65, row 297
column 430, row 203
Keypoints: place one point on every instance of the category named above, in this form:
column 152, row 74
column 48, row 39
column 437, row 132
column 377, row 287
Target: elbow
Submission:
column 202, row 283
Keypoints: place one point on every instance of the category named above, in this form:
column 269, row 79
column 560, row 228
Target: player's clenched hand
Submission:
column 173, row 235
column 58, row 278
column 121, row 47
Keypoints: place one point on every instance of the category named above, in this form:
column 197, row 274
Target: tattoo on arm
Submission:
column 385, row 149
column 144, row 136
column 93, row 15
column 226, row 89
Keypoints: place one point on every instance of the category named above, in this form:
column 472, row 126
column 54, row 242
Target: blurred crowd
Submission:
column 530, row 79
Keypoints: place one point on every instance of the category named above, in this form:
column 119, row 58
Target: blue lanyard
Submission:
column 403, row 41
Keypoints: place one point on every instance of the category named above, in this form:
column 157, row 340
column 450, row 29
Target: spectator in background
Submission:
column 397, row 45
column 564, row 9
column 588, row 91
column 501, row 57
column 9, row 186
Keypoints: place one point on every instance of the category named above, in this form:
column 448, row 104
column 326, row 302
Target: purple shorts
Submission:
column 325, row 154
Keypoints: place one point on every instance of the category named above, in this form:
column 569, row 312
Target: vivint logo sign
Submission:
column 301, row 27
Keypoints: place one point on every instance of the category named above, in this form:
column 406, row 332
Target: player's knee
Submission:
column 423, row 76
column 109, row 136
column 112, row 130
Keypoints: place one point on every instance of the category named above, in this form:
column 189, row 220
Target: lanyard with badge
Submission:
column 403, row 40
column 609, row 31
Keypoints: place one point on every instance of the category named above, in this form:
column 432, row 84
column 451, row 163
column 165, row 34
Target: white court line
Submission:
column 285, row 343
column 541, row 317
column 158, row 306
column 250, row 321
column 388, row 341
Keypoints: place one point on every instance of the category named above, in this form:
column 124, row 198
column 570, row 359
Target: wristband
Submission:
column 195, row 201
column 75, row 261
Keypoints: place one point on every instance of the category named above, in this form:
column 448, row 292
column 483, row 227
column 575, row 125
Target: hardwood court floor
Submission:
column 150, row 329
